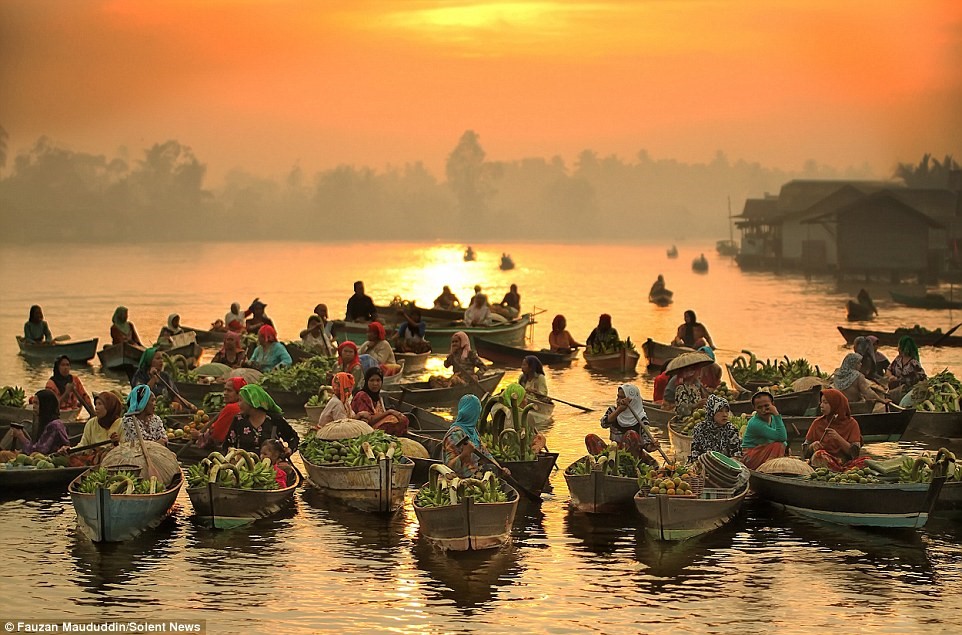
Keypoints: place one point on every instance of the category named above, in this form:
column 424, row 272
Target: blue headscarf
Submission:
column 367, row 363
column 469, row 410
column 707, row 351
column 138, row 398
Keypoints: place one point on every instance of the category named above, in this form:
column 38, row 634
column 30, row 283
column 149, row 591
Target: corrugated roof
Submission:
column 872, row 198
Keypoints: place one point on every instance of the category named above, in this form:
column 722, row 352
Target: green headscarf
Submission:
column 146, row 358
column 512, row 390
column 122, row 326
column 908, row 347
column 256, row 397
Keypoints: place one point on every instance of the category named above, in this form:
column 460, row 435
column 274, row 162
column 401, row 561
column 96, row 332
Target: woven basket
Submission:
column 343, row 429
column 413, row 449
column 786, row 465
column 130, row 456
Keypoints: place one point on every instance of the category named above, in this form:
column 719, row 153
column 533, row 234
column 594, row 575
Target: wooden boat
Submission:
column 661, row 298
column 856, row 312
column 507, row 264
column 469, row 255
column 187, row 455
column 228, row 507
column 876, row 427
column 673, row 252
column 683, row 517
column 950, row 498
column 469, row 526
column 413, row 362
column 927, row 301
column 119, row 356
column 657, row 415
column 196, row 391
column 659, row 354
column 80, row 351
column 726, row 247
column 106, row 517
column 191, row 351
column 680, row 444
column 792, row 404
column 439, row 335
column 372, row 488
column 420, row 393
column 25, row 479
column 9, row 414
column 941, row 425
column 700, row 265
column 513, row 356
column 388, row 314
column 600, row 493
column 871, row 505
column 891, row 338
column 207, row 337
column 624, row 361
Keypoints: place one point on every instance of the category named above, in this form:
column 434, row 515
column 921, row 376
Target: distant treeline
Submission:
column 52, row 193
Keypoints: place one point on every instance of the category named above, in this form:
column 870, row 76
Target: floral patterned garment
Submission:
column 245, row 436
column 687, row 395
column 709, row 437
column 152, row 429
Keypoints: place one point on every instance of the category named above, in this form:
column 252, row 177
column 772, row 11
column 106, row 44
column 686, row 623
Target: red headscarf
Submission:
column 270, row 335
column 236, row 383
column 840, row 420
column 378, row 329
column 558, row 323
column 221, row 425
column 340, row 358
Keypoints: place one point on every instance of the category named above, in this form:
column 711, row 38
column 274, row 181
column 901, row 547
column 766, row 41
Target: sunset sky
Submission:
column 265, row 85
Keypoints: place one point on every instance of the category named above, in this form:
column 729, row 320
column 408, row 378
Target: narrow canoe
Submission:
column 624, row 361
column 373, row 488
column 207, row 337
column 9, row 414
column 119, row 356
column 439, row 335
column 25, row 479
column 906, row 505
column 106, row 517
column 876, row 427
column 80, row 352
column 421, row 394
column 389, row 314
column 856, row 312
column 599, row 493
column 228, row 507
column 794, row 404
column 942, row 425
column 950, row 498
column 927, row 301
column 891, row 338
column 673, row 518
column 187, row 453
column 469, row 526
column 661, row 299
column 513, row 355
column 659, row 354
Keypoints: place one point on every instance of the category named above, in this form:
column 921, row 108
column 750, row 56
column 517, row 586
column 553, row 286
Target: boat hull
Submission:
column 469, row 526
column 925, row 302
column 659, row 354
column 24, row 480
column 119, row 356
column 674, row 518
column 420, row 394
column 103, row 517
column 413, row 362
column 513, row 356
column 226, row 508
column 943, row 425
column 375, row 488
column 439, row 335
column 209, row 338
column 599, row 493
column 877, row 427
column 891, row 338
column 624, row 361
column 80, row 352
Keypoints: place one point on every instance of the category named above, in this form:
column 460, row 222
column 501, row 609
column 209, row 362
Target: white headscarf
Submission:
column 174, row 330
column 626, row 419
column 234, row 315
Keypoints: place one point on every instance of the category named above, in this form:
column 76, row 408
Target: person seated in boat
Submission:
column 624, row 422
column 461, row 442
column 692, row 333
column 269, row 353
column 339, row 405
column 368, row 406
column 658, row 288
column 478, row 314
column 377, row 345
column 107, row 423
column 850, row 381
column 316, row 339
column 348, row 361
column 602, row 336
column 121, row 329
column 410, row 334
column 866, row 300
column 168, row 331
column 716, row 433
column 274, row 450
column 360, row 307
column 869, row 368
column 216, row 433
column 710, row 376
column 661, row 383
column 447, row 301
column 53, row 433
column 765, row 436
column 231, row 352
column 234, row 319
column 69, row 389
column 140, row 414
column 685, row 392
column 477, row 292
column 510, row 305
column 905, row 371
column 463, row 361
column 150, row 372
column 35, row 329
column 260, row 419
column 559, row 339
column 535, row 384
column 881, row 361
column 835, row 433
column 258, row 317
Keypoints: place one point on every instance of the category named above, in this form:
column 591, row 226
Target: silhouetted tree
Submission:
column 467, row 177
column 929, row 173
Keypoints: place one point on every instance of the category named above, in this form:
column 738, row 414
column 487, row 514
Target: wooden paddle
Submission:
column 176, row 394
column 151, row 470
column 61, row 338
column 83, row 448
column 647, row 431
column 506, row 476
column 567, row 403
column 946, row 334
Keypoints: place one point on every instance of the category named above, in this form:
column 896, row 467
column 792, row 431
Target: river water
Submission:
column 318, row 568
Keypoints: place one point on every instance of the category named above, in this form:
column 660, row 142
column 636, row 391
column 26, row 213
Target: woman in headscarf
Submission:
column 68, row 388
column 692, row 333
column 53, row 433
column 560, row 339
column 368, row 406
column 377, row 345
column 121, row 329
column 107, row 425
column 258, row 317
column 35, row 329
column 463, row 361
column 315, row 337
column 269, row 353
column 150, row 372
column 234, row 319
column 836, row 432
column 478, row 313
column 864, row 347
column 881, row 361
column 216, row 433
column 850, row 381
column 260, row 419
column 140, row 414
column 339, row 405
column 533, row 380
column 685, row 391
column 716, row 433
column 905, row 370
column 348, row 361
column 462, row 440
column 172, row 328
column 602, row 336
column 447, row 301
column 231, row 352
column 623, row 421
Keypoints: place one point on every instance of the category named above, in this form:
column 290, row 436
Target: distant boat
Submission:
column 506, row 263
column 726, row 248
column 662, row 297
column 673, row 252
column 469, row 254
column 928, row 301
column 700, row 264
column 862, row 308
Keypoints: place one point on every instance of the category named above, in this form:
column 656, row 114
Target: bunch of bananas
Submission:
column 923, row 468
column 121, row 483
column 445, row 488
column 613, row 462
column 777, row 372
column 239, row 469
column 939, row 393
column 366, row 449
column 12, row 396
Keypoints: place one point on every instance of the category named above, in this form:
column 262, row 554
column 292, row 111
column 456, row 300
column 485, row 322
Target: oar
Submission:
column 89, row 447
column 504, row 474
column 176, row 394
column 647, row 431
column 567, row 403
column 946, row 334
column 151, row 470
column 61, row 338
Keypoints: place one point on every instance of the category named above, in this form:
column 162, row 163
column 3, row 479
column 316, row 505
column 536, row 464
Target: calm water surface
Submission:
column 319, row 568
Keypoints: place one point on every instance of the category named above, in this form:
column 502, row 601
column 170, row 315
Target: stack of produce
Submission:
column 917, row 330
column 366, row 449
column 10, row 460
column 672, row 480
column 213, row 402
column 13, row 397
column 613, row 462
column 859, row 476
column 686, row 425
column 119, row 483
column 198, row 421
column 239, row 469
column 303, row 378
column 445, row 488
column 608, row 348
column 778, row 374
column 919, row 469
column 939, row 393
column 725, row 392
column 511, row 444
column 320, row 400
column 178, row 367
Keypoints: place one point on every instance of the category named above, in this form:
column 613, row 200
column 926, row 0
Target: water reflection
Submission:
column 468, row 579
column 600, row 534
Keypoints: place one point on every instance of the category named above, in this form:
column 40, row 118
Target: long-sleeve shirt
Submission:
column 96, row 433
column 710, row 437
column 381, row 351
column 152, row 429
column 53, row 438
column 37, row 332
column 758, row 432
column 276, row 356
column 360, row 308
column 74, row 400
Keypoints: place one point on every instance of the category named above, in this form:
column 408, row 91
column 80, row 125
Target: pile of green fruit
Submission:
column 10, row 460
column 613, row 462
column 686, row 425
column 920, row 469
column 302, row 378
column 444, row 488
column 859, row 476
column 939, row 393
column 673, row 480
column 178, row 367
column 366, row 449
column 13, row 397
column 508, row 444
column 239, row 469
column 612, row 346
column 213, row 402
column 319, row 400
column 772, row 372
column 119, row 483
column 917, row 330
column 725, row 392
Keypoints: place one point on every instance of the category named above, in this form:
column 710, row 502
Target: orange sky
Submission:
column 263, row 85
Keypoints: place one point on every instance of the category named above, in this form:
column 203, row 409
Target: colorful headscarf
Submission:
column 378, row 329
column 255, row 396
column 515, row 391
column 465, row 343
column 174, row 330
column 848, row 373
column 708, row 351
column 122, row 325
column 59, row 380
column 713, row 405
column 371, row 372
column 626, row 419
column 469, row 410
column 908, row 347
column 559, row 323
column 535, row 368
column 112, row 407
column 840, row 420
column 147, row 358
column 236, row 383
column 269, row 333
column 343, row 385
column 340, row 350
column 138, row 399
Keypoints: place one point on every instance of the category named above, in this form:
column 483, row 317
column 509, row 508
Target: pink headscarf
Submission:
column 464, row 341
